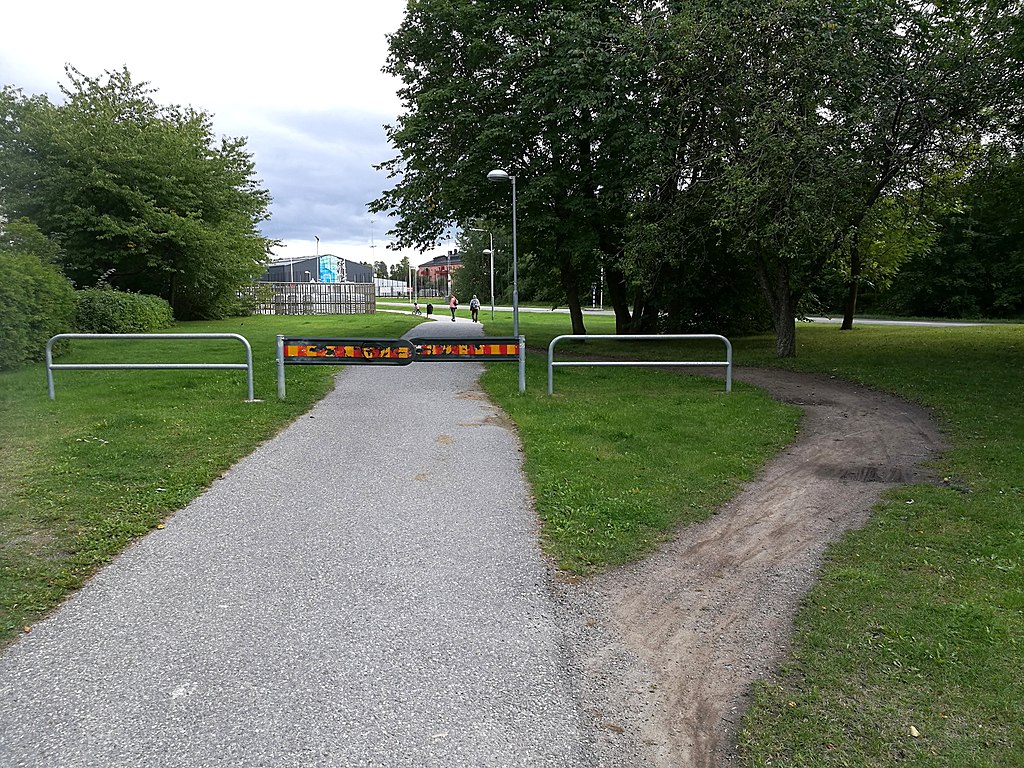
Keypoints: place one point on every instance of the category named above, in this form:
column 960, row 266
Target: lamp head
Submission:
column 487, row 251
column 498, row 175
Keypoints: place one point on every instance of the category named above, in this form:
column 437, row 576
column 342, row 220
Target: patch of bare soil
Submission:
column 671, row 646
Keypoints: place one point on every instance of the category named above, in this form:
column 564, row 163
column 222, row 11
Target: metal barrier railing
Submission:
column 636, row 337
column 444, row 349
column 51, row 367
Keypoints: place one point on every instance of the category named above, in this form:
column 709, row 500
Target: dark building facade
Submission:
column 318, row 269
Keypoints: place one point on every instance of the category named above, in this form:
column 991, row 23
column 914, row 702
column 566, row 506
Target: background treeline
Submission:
column 109, row 189
column 726, row 165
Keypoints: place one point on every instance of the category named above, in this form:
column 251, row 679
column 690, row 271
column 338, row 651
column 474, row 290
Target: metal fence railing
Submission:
column 51, row 366
column 311, row 298
column 727, row 363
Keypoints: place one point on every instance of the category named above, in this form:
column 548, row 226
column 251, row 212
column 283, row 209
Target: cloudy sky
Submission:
column 300, row 79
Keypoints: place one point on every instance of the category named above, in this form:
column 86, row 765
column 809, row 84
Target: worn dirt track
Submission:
column 678, row 640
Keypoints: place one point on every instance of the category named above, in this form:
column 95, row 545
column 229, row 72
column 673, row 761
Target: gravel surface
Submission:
column 674, row 643
column 363, row 590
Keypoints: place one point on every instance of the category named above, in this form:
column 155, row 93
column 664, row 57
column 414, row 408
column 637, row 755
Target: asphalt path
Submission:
column 392, row 306
column 363, row 590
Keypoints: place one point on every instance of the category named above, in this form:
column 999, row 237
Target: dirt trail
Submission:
column 677, row 640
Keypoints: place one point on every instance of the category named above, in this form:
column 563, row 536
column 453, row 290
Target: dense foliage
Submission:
column 976, row 266
column 104, row 310
column 36, row 300
column 697, row 153
column 134, row 190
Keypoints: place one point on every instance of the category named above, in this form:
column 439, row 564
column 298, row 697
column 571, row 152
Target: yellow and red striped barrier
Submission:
column 323, row 351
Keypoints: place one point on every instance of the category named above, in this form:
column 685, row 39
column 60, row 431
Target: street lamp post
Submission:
column 449, row 273
column 496, row 176
column 489, row 252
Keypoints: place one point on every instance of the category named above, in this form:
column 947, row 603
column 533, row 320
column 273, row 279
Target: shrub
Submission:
column 36, row 302
column 104, row 310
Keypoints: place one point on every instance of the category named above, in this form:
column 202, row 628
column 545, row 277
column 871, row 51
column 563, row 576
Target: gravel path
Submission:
column 671, row 646
column 363, row 590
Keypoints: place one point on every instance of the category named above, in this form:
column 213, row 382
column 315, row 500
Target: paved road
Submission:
column 363, row 590
column 391, row 306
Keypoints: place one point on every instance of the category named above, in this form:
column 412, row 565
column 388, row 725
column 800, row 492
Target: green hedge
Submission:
column 36, row 302
column 104, row 310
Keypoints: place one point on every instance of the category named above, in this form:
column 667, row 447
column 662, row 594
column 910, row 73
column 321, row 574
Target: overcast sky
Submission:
column 300, row 79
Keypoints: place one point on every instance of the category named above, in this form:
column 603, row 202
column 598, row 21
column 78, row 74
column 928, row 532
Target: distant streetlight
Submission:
column 498, row 175
column 308, row 278
column 489, row 252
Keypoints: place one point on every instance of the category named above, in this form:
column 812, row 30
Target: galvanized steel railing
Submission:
column 645, row 337
column 51, row 367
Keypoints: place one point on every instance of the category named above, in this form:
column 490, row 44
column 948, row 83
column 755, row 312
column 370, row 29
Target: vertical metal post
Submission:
column 248, row 370
column 728, row 367
column 280, row 367
column 515, row 267
column 522, row 364
column 551, row 366
column 49, row 368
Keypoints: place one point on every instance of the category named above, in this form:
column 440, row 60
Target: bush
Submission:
column 104, row 310
column 36, row 302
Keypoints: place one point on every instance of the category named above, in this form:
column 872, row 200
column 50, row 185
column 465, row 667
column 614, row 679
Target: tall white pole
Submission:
column 499, row 175
column 515, row 266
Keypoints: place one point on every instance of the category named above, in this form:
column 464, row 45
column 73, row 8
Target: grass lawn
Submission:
column 618, row 457
column 916, row 626
column 910, row 651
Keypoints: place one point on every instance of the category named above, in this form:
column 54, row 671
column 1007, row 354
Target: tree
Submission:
column 36, row 300
column 976, row 266
column 541, row 91
column 400, row 271
column 380, row 270
column 138, row 191
column 830, row 111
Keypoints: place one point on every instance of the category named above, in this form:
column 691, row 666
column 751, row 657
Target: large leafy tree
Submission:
column 134, row 190
column 695, row 149
column 976, row 266
column 844, row 107
column 541, row 90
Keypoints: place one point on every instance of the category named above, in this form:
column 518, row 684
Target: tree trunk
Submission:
column 774, row 280
column 851, row 297
column 572, row 294
column 620, row 301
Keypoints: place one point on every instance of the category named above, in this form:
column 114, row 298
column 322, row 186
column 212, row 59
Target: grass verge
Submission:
column 116, row 451
column 618, row 457
column 910, row 650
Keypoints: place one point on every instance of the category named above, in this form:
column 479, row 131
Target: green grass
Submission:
column 918, row 619
column 619, row 457
column 117, row 451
